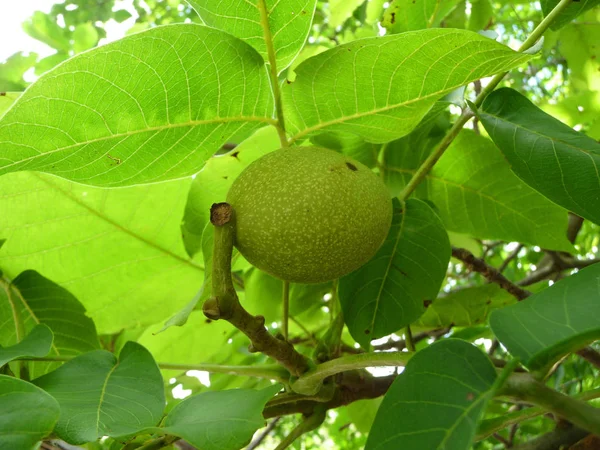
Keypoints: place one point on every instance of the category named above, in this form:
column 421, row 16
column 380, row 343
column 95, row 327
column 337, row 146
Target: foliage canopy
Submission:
column 128, row 320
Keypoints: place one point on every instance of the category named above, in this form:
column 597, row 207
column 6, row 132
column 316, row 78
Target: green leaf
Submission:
column 482, row 14
column 194, row 343
column 573, row 10
column 437, row 401
column 350, row 145
column 212, row 183
column 457, row 18
column 341, row 10
column 11, row 71
column 559, row 320
column 223, row 420
column 43, row 27
column 35, row 345
column 118, row 251
column 578, row 109
column 121, row 15
column 100, row 396
column 38, row 300
column 85, row 36
column 477, row 194
column 363, row 412
column 388, row 292
column 374, row 11
column 380, row 88
column 181, row 91
column 289, row 23
column 27, row 414
column 408, row 15
column 578, row 43
column 551, row 157
column 465, row 307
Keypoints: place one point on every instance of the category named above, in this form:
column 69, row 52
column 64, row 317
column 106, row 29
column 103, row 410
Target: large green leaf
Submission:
column 551, row 157
column 102, row 396
column 212, row 183
column 288, row 23
column 36, row 344
column 407, row 15
column 224, row 420
column 559, row 320
column 380, row 88
column 150, row 107
column 465, row 307
column 436, row 402
column 573, row 10
column 389, row 291
column 477, row 194
column 27, row 414
column 118, row 251
column 38, row 300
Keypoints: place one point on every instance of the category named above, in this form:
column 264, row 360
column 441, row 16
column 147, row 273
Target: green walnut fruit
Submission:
column 308, row 214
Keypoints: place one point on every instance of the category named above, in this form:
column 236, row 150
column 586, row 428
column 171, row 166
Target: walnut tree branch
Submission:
column 489, row 272
column 351, row 386
column 225, row 304
column 561, row 437
column 526, row 388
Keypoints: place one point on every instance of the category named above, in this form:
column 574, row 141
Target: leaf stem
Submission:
column 524, row 387
column 535, row 35
column 159, row 443
column 489, row 426
column 311, row 381
column 264, row 21
column 286, row 308
column 433, row 158
column 437, row 153
column 268, row 371
column 18, row 323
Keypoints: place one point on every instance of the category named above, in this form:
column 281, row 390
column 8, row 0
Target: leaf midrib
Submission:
column 432, row 96
column 9, row 287
column 590, row 153
column 387, row 270
column 191, row 123
column 101, row 399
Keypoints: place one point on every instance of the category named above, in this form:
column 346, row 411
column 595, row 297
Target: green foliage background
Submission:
column 136, row 255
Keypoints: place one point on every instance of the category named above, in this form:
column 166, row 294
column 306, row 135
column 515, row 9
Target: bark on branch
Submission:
column 490, row 273
column 225, row 304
